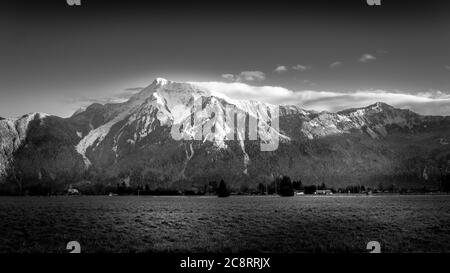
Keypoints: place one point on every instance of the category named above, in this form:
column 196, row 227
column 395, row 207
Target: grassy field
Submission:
column 235, row 224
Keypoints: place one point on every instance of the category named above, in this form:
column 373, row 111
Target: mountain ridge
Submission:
column 135, row 139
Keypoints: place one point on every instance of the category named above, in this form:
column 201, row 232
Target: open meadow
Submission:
column 339, row 223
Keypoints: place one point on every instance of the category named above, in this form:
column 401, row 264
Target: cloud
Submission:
column 134, row 89
column 447, row 67
column 335, row 101
column 251, row 76
column 365, row 58
column 335, row 64
column 427, row 103
column 229, row 77
column 434, row 94
column 116, row 98
column 248, row 76
column 242, row 91
column 85, row 101
column 280, row 69
column 300, row 67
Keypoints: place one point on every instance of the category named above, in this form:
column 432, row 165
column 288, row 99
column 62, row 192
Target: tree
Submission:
column 261, row 188
column 391, row 188
column 222, row 190
column 380, row 187
column 446, row 183
column 285, row 187
column 310, row 189
column 323, row 186
column 212, row 186
column 297, row 185
column 244, row 189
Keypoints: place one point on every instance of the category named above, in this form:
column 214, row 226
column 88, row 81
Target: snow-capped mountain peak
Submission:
column 168, row 103
column 160, row 81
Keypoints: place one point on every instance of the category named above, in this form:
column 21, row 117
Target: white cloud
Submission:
column 115, row 98
column 434, row 94
column 300, row 67
column 229, row 77
column 85, row 101
column 242, row 91
column 335, row 101
column 447, row 67
column 429, row 103
column 248, row 76
column 134, row 89
column 280, row 69
column 335, row 64
column 251, row 76
column 365, row 58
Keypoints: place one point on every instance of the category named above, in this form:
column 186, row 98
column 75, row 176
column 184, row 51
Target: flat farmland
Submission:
column 339, row 223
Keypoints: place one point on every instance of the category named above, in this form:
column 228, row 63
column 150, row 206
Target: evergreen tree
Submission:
column 261, row 188
column 297, row 185
column 310, row 189
column 323, row 186
column 285, row 187
column 222, row 190
column 446, row 183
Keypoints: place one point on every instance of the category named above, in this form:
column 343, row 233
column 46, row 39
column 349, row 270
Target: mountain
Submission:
column 179, row 135
column 13, row 132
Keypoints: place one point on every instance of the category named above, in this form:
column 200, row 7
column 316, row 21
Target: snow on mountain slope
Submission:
column 157, row 95
column 172, row 103
column 98, row 134
column 372, row 120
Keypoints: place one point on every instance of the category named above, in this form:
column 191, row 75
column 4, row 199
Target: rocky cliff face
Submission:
column 13, row 133
column 178, row 134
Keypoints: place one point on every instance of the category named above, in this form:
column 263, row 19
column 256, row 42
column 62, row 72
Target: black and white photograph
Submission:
column 224, row 127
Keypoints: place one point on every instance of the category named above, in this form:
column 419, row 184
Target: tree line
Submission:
column 281, row 185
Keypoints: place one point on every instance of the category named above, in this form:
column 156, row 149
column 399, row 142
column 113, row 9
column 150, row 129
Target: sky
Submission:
column 321, row 55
